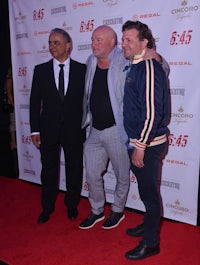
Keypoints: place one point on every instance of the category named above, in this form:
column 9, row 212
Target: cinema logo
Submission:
column 110, row 3
column 176, row 162
column 23, row 53
column 59, row 10
column 40, row 33
column 24, row 91
column 84, row 47
column 184, row 10
column 113, row 21
column 20, row 18
column 170, row 184
column 82, row 4
column 180, row 63
column 176, row 208
column 143, row 16
column 181, row 116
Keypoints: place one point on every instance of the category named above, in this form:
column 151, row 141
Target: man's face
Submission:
column 102, row 43
column 131, row 44
column 58, row 47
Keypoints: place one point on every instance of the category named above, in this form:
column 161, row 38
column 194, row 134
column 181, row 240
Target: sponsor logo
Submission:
column 22, row 71
column 143, row 16
column 29, row 171
column 24, row 91
column 24, row 106
column 170, row 184
column 184, row 10
column 82, row 4
column 176, row 162
column 39, row 33
column 27, row 156
column 44, row 51
column 24, row 123
column 26, row 139
column 58, row 10
column 38, row 15
column 110, row 3
column 181, row 116
column 177, row 91
column 83, row 47
column 20, row 18
column 22, row 36
column 23, row 53
column 180, row 63
column 66, row 27
column 176, row 208
column 113, row 21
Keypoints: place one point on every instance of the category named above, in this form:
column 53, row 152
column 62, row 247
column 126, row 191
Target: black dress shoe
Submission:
column 43, row 217
column 72, row 213
column 142, row 251
column 136, row 231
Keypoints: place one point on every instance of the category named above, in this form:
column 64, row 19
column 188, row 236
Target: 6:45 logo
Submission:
column 178, row 141
column 26, row 139
column 38, row 14
column 87, row 26
column 184, row 37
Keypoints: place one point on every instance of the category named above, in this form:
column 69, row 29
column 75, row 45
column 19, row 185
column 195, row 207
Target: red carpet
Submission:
column 61, row 242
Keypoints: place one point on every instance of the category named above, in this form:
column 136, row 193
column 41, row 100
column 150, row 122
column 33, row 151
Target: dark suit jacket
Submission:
column 47, row 112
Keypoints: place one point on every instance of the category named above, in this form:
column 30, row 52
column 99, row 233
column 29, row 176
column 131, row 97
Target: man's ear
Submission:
column 113, row 42
column 145, row 42
column 69, row 47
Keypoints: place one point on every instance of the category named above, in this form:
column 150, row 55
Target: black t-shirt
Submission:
column 100, row 104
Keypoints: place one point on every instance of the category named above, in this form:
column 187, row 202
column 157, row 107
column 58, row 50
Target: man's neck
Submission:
column 103, row 63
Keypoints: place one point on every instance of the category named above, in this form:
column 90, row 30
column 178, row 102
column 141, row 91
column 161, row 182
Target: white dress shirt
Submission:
column 56, row 69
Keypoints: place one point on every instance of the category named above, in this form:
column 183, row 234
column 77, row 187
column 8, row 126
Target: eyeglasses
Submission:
column 56, row 43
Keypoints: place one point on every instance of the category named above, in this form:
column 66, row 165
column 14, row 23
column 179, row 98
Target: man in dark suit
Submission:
column 55, row 121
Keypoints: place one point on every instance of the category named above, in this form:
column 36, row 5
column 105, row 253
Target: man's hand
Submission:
column 152, row 54
column 137, row 157
column 36, row 140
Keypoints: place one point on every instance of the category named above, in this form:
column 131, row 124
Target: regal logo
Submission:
column 142, row 16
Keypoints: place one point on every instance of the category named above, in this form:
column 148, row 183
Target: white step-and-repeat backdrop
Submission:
column 175, row 25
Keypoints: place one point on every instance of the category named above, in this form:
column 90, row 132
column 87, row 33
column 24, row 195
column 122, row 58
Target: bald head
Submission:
column 107, row 32
column 104, row 39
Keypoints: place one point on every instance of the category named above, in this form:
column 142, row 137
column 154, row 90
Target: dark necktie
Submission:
column 61, row 81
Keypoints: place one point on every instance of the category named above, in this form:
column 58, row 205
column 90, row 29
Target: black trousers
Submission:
column 50, row 157
column 6, row 156
column 148, row 178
